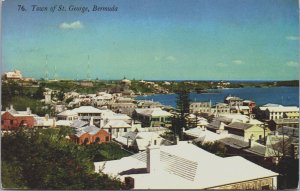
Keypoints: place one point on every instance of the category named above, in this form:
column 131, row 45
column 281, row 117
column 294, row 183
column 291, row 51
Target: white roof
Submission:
column 204, row 135
column 147, row 135
column 153, row 112
column 264, row 107
column 63, row 123
column 119, row 116
column 283, row 109
column 79, row 123
column 87, row 109
column 255, row 122
column 68, row 113
column 235, row 117
column 198, row 170
column 124, row 140
column 116, row 124
column 107, row 113
column 126, row 80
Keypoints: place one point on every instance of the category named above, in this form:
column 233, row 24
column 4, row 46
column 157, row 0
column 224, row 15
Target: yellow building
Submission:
column 248, row 131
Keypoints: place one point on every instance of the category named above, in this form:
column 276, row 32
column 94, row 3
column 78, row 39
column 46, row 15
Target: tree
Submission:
column 281, row 147
column 39, row 94
column 183, row 107
column 44, row 159
column 61, row 95
column 216, row 148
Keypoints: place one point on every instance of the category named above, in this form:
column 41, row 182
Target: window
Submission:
column 125, row 129
column 2, row 122
column 154, row 142
column 118, row 129
column 109, row 130
column 107, row 138
column 11, row 122
column 86, row 140
column 97, row 140
column 266, row 187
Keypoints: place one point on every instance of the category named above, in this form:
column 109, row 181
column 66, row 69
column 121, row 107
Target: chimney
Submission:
column 222, row 126
column 177, row 140
column 92, row 121
column 28, row 110
column 11, row 107
column 153, row 158
column 251, row 141
column 47, row 117
column 7, row 109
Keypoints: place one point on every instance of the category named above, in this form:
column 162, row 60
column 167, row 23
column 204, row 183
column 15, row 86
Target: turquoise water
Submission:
column 287, row 96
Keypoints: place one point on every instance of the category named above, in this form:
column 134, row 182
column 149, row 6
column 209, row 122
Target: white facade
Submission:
column 200, row 107
column 280, row 112
column 13, row 75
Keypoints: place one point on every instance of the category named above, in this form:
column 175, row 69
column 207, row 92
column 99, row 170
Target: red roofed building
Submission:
column 12, row 119
column 90, row 134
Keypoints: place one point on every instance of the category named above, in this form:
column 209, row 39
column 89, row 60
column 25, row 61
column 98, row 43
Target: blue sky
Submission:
column 170, row 39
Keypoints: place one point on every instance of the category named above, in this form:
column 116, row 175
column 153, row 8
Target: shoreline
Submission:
column 220, row 89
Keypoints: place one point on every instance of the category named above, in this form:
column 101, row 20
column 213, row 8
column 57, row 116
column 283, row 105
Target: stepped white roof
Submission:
column 185, row 166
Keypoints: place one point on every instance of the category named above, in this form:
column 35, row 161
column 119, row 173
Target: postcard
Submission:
column 149, row 94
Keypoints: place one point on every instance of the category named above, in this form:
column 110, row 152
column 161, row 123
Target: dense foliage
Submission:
column 45, row 159
column 294, row 83
column 216, row 148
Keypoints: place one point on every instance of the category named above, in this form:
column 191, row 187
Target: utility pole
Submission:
column 46, row 68
column 88, row 69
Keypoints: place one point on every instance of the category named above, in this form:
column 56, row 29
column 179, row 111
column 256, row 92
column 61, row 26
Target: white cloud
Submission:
column 157, row 58
column 168, row 59
column 73, row 25
column 171, row 58
column 292, row 37
column 238, row 62
column 220, row 64
column 292, row 64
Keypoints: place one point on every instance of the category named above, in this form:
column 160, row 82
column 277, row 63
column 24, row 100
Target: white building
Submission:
column 67, row 115
column 185, row 166
column 200, row 107
column 117, row 127
column 152, row 117
column 15, row 75
column 280, row 112
column 44, row 122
